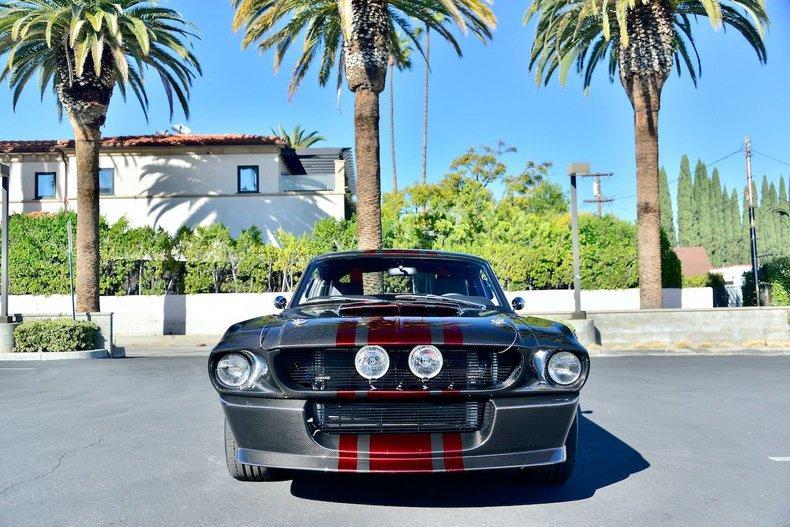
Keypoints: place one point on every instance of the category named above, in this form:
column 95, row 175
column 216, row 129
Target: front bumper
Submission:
column 519, row 432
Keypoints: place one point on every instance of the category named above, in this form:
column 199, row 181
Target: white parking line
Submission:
column 780, row 459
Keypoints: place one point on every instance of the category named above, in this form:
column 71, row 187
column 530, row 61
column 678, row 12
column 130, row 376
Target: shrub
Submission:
column 776, row 273
column 704, row 280
column 56, row 336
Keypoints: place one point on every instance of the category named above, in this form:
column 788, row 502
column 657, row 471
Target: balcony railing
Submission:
column 311, row 183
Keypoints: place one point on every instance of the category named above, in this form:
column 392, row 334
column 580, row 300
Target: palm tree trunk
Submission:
column 426, row 107
column 645, row 95
column 392, row 129
column 87, row 146
column 368, row 147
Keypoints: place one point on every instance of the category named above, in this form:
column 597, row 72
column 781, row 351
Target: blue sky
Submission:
column 487, row 95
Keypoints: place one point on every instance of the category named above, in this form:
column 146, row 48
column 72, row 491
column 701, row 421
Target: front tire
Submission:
column 559, row 473
column 242, row 471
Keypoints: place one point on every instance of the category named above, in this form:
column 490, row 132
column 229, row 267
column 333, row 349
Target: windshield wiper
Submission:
column 442, row 299
column 335, row 299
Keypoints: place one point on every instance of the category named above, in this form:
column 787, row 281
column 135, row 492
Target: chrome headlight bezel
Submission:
column 258, row 371
column 564, row 368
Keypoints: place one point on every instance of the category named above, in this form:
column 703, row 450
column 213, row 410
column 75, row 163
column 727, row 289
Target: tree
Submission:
column 642, row 41
column 667, row 216
column 402, row 62
column 357, row 37
column 426, row 104
column 738, row 241
column 716, row 220
column 688, row 229
column 83, row 50
column 702, row 204
column 298, row 137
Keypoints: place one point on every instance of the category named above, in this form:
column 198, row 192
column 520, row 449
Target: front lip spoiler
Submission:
column 497, row 461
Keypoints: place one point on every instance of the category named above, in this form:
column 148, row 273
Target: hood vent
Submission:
column 395, row 310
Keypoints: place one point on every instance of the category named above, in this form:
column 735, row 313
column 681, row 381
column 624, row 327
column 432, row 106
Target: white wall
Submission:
column 211, row 314
column 558, row 301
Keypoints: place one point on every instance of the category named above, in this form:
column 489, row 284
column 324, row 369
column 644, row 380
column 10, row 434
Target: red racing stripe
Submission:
column 382, row 332
column 347, row 461
column 346, row 334
column 453, row 452
column 453, row 336
column 400, row 453
column 413, row 333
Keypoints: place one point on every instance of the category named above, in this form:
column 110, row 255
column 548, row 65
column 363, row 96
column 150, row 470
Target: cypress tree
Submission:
column 784, row 218
column 702, row 205
column 687, row 225
column 772, row 212
column 667, row 215
column 726, row 226
column 718, row 234
column 746, row 250
column 738, row 242
column 764, row 218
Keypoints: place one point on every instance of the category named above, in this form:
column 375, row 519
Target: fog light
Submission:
column 234, row 370
column 372, row 362
column 564, row 368
column 426, row 362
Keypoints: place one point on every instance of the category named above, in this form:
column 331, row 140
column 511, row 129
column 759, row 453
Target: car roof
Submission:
column 415, row 253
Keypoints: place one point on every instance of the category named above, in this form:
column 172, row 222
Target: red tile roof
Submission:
column 137, row 141
column 694, row 260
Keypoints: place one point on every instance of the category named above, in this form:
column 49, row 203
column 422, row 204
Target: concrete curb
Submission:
column 67, row 355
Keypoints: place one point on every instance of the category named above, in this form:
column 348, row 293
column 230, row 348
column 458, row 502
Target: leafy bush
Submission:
column 55, row 336
column 704, row 280
column 776, row 273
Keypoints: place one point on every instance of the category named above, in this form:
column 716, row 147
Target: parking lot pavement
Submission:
column 664, row 440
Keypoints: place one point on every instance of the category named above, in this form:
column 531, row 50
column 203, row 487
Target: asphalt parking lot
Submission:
column 664, row 440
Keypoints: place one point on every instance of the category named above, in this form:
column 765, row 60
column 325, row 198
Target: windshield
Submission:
column 469, row 283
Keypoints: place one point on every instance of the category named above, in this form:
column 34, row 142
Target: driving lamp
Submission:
column 372, row 362
column 426, row 362
column 564, row 368
column 234, row 370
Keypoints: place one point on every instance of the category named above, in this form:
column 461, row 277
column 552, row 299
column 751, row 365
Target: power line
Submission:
column 772, row 158
column 707, row 165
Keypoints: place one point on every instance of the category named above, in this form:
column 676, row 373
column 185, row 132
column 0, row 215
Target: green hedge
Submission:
column 526, row 239
column 55, row 336
column 776, row 273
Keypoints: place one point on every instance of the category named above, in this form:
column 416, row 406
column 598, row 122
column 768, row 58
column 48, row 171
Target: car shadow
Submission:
column 602, row 460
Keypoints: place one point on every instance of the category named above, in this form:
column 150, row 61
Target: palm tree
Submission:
column 357, row 37
column 83, row 50
column 402, row 62
column 426, row 102
column 298, row 137
column 642, row 40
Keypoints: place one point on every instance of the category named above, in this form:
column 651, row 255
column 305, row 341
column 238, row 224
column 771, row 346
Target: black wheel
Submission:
column 242, row 471
column 560, row 472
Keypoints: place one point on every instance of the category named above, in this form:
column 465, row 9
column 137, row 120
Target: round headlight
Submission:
column 234, row 370
column 564, row 368
column 372, row 362
column 426, row 362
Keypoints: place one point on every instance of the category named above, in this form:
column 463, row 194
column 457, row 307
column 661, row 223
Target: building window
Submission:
column 45, row 185
column 248, row 179
column 106, row 181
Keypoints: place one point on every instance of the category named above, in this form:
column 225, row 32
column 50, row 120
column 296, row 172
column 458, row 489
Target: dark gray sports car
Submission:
column 399, row 361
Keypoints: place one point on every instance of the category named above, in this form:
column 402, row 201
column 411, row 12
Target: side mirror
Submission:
column 280, row 302
column 518, row 303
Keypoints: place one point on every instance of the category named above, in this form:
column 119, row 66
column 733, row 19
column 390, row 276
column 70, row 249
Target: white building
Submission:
column 171, row 181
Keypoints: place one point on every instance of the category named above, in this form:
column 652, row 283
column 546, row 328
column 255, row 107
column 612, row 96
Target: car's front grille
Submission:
column 333, row 369
column 397, row 417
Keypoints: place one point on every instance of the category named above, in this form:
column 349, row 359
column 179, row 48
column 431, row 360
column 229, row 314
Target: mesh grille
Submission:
column 330, row 370
column 372, row 417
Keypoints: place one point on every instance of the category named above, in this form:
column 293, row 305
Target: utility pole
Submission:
column 747, row 148
column 598, row 197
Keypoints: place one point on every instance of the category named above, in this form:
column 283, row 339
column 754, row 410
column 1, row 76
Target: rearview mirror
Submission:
column 518, row 303
column 280, row 302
